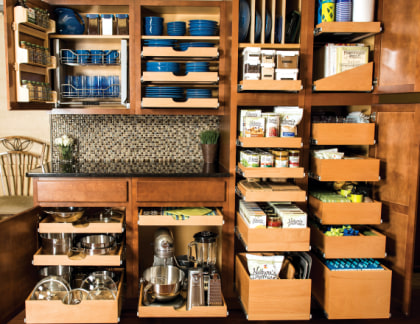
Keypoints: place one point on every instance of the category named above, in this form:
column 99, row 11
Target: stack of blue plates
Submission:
column 159, row 42
column 198, row 93
column 184, row 46
column 153, row 26
column 202, row 27
column 162, row 67
column 197, row 67
column 343, row 10
column 165, row 92
column 176, row 28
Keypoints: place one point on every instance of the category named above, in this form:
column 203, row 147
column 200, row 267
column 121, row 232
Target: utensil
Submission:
column 161, row 283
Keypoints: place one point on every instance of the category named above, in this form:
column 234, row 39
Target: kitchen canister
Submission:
column 328, row 10
column 343, row 10
column 363, row 10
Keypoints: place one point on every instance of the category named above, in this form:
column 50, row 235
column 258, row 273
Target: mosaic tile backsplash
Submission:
column 114, row 138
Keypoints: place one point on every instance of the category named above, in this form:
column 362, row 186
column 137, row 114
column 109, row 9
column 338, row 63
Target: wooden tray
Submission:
column 47, row 225
column 291, row 193
column 197, row 77
column 346, row 213
column 272, row 239
column 270, row 85
column 210, row 52
column 161, row 220
column 210, row 103
column 88, row 311
column 351, row 294
column 272, row 300
column 362, row 246
column 270, row 172
column 283, row 142
column 164, row 312
column 343, row 134
column 358, row 169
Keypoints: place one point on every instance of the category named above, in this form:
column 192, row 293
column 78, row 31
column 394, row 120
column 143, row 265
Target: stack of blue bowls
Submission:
column 165, row 92
column 162, row 67
column 176, row 28
column 185, row 45
column 153, row 26
column 202, row 27
column 197, row 67
column 198, row 93
column 159, row 42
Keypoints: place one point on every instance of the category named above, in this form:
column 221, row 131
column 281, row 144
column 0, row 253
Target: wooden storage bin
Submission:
column 343, row 133
column 282, row 299
column 191, row 103
column 207, row 52
column 361, row 246
column 146, row 220
column 347, row 169
column 270, row 85
column 331, row 213
column 271, row 172
column 88, row 311
column 352, row 294
column 272, row 239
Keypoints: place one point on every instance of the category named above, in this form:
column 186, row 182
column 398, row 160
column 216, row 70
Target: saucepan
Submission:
column 65, row 214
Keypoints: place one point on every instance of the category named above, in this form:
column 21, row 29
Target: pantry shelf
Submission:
column 207, row 38
column 191, row 52
column 344, row 133
column 270, row 85
column 283, row 142
column 163, row 220
column 197, row 77
column 255, row 192
column 271, row 46
column 345, row 31
column 49, row 226
column 270, row 172
column 211, row 103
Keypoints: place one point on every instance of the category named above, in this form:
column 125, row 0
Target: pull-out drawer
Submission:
column 82, row 190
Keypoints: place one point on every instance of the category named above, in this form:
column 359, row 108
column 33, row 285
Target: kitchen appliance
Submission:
column 163, row 247
column 202, row 251
column 195, row 295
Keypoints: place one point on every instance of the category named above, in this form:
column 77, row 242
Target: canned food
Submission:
column 293, row 159
column 266, row 160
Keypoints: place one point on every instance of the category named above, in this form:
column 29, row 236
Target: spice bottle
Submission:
column 121, row 24
column 93, row 24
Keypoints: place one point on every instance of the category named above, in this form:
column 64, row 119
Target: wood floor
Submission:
column 237, row 317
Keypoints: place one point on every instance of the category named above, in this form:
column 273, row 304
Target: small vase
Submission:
column 65, row 154
column 209, row 152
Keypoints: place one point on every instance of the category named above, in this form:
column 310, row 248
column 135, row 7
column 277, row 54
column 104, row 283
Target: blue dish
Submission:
column 257, row 26
column 268, row 23
column 244, row 20
column 202, row 21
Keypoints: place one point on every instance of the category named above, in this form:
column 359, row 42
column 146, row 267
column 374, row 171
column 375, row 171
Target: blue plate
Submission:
column 268, row 23
column 257, row 26
column 244, row 20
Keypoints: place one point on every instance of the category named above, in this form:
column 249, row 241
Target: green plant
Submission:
column 210, row 136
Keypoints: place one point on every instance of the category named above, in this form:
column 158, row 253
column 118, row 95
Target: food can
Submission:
column 293, row 159
column 282, row 159
column 266, row 160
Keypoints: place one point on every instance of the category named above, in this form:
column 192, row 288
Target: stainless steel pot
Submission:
column 161, row 283
column 56, row 243
column 97, row 241
column 61, row 271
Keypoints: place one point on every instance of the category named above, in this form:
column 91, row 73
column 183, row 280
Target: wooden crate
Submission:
column 343, row 134
column 272, row 239
column 352, row 294
column 331, row 213
column 282, row 299
column 88, row 311
column 348, row 169
column 362, row 246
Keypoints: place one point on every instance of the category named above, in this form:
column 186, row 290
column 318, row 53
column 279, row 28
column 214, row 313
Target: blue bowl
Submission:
column 202, row 21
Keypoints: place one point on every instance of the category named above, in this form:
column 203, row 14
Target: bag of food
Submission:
column 264, row 266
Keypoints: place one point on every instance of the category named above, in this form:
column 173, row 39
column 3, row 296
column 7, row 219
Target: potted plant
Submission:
column 209, row 144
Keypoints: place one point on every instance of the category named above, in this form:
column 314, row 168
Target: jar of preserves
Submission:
column 293, row 159
column 273, row 221
column 282, row 159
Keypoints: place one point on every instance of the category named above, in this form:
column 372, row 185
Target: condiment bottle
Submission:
column 293, row 159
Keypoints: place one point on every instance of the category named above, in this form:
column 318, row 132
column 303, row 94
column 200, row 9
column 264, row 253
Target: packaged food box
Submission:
column 286, row 74
column 287, row 59
column 251, row 55
column 244, row 113
column 254, row 126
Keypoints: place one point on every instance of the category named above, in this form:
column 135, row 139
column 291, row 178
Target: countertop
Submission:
column 130, row 169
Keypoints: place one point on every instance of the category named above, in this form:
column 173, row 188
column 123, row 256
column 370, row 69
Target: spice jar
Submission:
column 273, row 221
column 92, row 24
column 293, row 159
column 121, row 24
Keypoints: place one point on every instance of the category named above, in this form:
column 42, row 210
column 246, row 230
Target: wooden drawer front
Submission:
column 362, row 246
column 351, row 294
column 280, row 299
column 363, row 169
column 331, row 213
column 272, row 239
column 181, row 190
column 82, row 190
column 343, row 134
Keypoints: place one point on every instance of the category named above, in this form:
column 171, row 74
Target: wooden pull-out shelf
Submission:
column 211, row 103
column 276, row 300
column 270, row 172
column 115, row 259
column 331, row 213
column 352, row 294
column 88, row 311
column 346, row 31
column 357, row 79
column 361, row 246
column 347, row 169
column 163, row 220
column 169, row 311
column 191, row 52
column 197, row 77
column 272, row 239
column 283, row 142
column 252, row 191
column 47, row 225
column 343, row 134
column 270, row 85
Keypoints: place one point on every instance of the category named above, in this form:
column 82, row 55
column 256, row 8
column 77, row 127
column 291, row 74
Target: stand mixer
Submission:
column 163, row 247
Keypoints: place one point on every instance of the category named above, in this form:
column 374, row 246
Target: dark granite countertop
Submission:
column 130, row 169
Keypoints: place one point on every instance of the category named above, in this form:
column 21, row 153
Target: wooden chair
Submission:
column 22, row 155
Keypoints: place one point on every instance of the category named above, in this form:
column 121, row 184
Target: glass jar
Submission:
column 93, row 22
column 121, row 24
column 273, row 221
column 293, row 159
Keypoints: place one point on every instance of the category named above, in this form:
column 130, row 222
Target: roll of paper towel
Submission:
column 363, row 10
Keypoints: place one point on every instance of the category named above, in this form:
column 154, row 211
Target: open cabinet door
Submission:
column 398, row 150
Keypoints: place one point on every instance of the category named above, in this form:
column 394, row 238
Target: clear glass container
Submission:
column 93, row 24
column 121, row 24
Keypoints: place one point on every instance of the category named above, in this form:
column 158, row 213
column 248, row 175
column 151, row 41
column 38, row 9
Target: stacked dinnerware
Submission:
column 197, row 67
column 176, row 28
column 185, row 45
column 153, row 25
column 162, row 67
column 198, row 93
column 164, row 92
column 159, row 42
column 343, row 10
column 202, row 27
